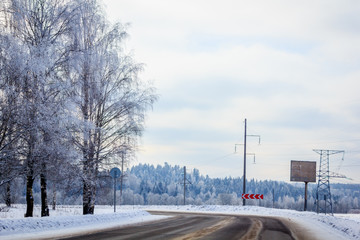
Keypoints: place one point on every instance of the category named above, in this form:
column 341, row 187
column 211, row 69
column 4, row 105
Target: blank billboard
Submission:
column 303, row 171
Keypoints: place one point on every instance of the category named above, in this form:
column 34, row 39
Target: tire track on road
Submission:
column 206, row 231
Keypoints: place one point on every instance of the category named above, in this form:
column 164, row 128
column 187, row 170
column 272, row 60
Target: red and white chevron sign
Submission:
column 252, row 196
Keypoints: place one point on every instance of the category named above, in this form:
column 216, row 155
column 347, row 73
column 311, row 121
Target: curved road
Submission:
column 199, row 226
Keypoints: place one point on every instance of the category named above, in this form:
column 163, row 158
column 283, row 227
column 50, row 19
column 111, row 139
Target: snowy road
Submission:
column 200, row 226
column 69, row 221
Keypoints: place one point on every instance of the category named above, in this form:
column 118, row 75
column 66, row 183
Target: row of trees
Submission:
column 70, row 99
column 163, row 185
column 148, row 184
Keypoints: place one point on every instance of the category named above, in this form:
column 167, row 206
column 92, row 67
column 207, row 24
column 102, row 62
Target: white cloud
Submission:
column 290, row 67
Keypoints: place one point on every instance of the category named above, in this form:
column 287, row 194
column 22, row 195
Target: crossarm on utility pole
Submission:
column 258, row 136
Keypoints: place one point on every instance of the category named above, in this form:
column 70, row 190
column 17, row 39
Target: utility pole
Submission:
column 244, row 176
column 122, row 175
column 273, row 195
column 115, row 173
column 186, row 181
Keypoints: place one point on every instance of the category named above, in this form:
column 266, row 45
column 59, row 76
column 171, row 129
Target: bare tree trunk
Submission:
column 89, row 187
column 29, row 196
column 44, row 204
column 88, row 155
column 54, row 198
column 30, row 180
column 88, row 198
column 8, row 195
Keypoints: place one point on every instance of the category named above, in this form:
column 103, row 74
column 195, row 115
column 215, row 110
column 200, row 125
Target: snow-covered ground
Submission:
column 68, row 220
column 340, row 226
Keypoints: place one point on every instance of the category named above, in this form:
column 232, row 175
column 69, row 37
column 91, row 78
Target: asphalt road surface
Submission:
column 199, row 226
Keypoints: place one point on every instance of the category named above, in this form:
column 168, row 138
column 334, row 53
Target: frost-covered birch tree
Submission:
column 39, row 27
column 111, row 101
column 10, row 166
column 70, row 97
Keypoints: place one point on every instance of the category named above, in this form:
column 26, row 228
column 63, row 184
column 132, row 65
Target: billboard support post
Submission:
column 305, row 200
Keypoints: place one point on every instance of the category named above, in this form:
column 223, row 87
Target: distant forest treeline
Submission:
column 146, row 184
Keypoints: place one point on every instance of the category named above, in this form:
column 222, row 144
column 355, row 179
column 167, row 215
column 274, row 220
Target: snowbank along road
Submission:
column 203, row 226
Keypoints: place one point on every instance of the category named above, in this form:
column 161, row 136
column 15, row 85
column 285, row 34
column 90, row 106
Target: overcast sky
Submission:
column 292, row 68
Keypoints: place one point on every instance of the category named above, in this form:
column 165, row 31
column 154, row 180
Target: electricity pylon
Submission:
column 323, row 187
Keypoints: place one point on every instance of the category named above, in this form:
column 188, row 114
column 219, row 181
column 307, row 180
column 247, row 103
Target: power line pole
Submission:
column 273, row 197
column 244, row 178
column 244, row 174
column 115, row 173
column 122, row 175
column 186, row 181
